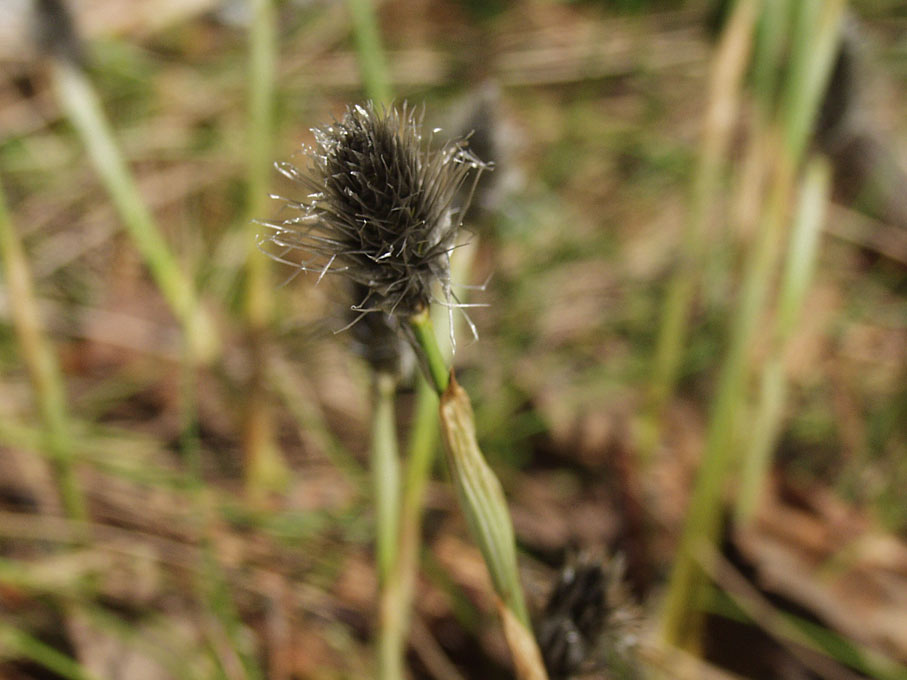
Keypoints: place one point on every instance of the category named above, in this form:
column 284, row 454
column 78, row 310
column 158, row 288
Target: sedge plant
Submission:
column 398, row 505
column 399, row 495
column 379, row 211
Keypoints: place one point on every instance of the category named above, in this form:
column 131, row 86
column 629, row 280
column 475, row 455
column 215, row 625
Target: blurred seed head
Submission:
column 30, row 29
column 380, row 209
column 590, row 621
column 56, row 31
column 478, row 118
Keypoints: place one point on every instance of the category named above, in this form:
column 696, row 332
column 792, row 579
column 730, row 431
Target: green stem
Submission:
column 794, row 283
column 17, row 644
column 481, row 499
column 420, row 455
column 423, row 442
column 266, row 469
column 370, row 54
column 704, row 516
column 385, row 471
column 262, row 79
column 81, row 104
column 42, row 365
column 386, row 485
column 397, row 596
column 430, row 350
column 769, row 54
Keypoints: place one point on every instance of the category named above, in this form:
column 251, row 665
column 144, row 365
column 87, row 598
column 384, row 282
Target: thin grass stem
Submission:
column 398, row 588
column 798, row 270
column 386, row 488
column 17, row 643
column 740, row 600
column 369, row 52
column 385, row 471
column 771, row 38
column 80, row 101
column 426, row 341
column 42, row 365
column 481, row 499
column 423, row 444
column 265, row 470
column 262, row 87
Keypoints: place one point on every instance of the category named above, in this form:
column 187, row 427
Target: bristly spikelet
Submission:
column 377, row 339
column 380, row 208
column 591, row 622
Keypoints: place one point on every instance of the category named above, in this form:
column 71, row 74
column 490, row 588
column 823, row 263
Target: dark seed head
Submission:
column 56, row 31
column 589, row 622
column 574, row 618
column 380, row 208
column 377, row 339
column 31, row 29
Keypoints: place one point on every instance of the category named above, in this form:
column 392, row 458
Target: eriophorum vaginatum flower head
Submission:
column 380, row 208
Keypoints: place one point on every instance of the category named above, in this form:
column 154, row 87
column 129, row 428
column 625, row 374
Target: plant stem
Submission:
column 484, row 505
column 771, row 39
column 394, row 581
column 385, row 471
column 386, row 488
column 794, row 283
column 83, row 108
column 397, row 594
column 427, row 347
column 265, row 470
column 16, row 643
column 481, row 500
column 423, row 444
column 704, row 515
column 47, row 381
column 262, row 80
column 370, row 54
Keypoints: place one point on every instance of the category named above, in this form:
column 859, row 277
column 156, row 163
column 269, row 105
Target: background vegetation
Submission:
column 216, row 518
